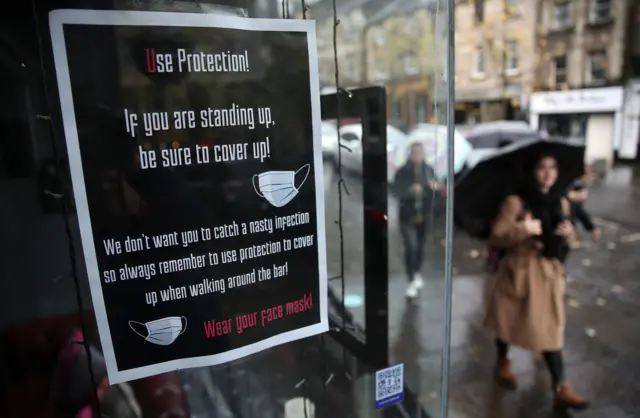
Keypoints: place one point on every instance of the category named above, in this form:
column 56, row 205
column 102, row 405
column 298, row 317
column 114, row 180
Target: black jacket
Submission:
column 410, row 206
column 578, row 212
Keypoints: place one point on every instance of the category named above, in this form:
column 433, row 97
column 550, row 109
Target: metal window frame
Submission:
column 369, row 106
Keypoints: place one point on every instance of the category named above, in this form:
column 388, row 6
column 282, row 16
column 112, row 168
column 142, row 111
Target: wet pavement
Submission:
column 603, row 296
column 614, row 197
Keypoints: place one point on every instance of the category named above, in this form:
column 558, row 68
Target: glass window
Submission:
column 512, row 56
column 596, row 68
column 600, row 10
column 478, row 67
column 560, row 70
column 562, row 15
column 388, row 314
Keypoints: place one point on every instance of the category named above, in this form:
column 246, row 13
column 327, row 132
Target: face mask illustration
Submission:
column 161, row 331
column 278, row 187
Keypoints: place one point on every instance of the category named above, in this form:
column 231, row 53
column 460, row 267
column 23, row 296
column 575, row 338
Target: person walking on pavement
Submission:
column 414, row 185
column 526, row 305
column 577, row 194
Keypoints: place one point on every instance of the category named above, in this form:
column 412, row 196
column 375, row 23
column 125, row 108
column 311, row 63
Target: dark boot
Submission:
column 505, row 375
column 567, row 399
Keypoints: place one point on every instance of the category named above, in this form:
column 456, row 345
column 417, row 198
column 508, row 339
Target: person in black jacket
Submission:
column 414, row 185
column 577, row 194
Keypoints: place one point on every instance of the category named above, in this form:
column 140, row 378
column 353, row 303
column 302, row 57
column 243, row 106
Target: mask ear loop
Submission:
column 253, row 183
column 184, row 327
column 308, row 167
column 132, row 323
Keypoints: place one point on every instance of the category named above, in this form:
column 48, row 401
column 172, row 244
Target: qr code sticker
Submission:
column 389, row 382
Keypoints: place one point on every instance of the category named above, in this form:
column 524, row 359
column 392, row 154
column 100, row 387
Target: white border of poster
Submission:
column 57, row 19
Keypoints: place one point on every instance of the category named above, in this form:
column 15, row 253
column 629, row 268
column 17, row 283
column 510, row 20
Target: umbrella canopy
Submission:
column 480, row 191
column 499, row 133
column 434, row 140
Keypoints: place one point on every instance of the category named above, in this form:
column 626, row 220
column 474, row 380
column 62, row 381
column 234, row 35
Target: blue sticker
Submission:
column 389, row 386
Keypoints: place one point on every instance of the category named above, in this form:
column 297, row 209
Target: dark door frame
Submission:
column 369, row 106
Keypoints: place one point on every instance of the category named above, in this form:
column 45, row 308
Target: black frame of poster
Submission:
column 369, row 106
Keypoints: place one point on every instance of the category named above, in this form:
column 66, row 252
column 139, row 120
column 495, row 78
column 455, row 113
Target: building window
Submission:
column 396, row 108
column 597, row 68
column 562, row 15
column 420, row 108
column 380, row 38
column 411, row 64
column 513, row 7
column 478, row 62
column 479, row 10
column 511, row 57
column 560, row 67
column 600, row 10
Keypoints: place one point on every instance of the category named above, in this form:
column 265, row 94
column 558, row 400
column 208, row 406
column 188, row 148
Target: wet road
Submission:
column 602, row 337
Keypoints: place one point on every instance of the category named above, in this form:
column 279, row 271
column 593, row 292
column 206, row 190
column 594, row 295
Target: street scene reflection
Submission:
column 601, row 298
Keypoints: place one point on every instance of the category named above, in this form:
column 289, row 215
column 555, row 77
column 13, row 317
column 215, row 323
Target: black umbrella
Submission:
column 499, row 133
column 481, row 190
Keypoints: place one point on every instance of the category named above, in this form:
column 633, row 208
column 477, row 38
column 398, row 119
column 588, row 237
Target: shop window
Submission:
column 478, row 62
column 600, row 10
column 511, row 57
column 560, row 69
column 596, row 68
column 562, row 15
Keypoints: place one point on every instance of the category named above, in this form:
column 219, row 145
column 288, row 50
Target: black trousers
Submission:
column 413, row 238
column 553, row 360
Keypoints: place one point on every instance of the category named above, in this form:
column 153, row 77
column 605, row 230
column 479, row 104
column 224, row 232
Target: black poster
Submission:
column 196, row 164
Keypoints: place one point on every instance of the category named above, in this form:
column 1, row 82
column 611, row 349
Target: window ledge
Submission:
column 600, row 23
column 561, row 31
column 478, row 76
column 511, row 72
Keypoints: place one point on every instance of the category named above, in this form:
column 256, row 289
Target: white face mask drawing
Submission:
column 161, row 331
column 278, row 187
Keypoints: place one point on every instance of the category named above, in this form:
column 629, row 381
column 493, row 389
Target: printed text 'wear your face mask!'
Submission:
column 161, row 331
column 278, row 187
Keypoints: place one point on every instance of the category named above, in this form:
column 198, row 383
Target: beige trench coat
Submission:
column 526, row 305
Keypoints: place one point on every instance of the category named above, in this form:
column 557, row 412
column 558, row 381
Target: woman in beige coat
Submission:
column 526, row 305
